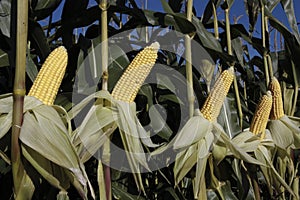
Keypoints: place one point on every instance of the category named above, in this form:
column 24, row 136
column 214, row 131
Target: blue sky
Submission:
column 237, row 9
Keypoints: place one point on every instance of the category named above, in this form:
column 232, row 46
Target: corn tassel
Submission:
column 134, row 76
column 49, row 78
column 277, row 107
column 213, row 104
column 261, row 115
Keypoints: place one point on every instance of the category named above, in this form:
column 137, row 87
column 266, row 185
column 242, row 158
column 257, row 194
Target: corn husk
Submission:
column 194, row 143
column 101, row 121
column 46, row 143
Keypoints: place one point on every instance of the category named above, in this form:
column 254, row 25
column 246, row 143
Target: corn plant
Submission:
column 239, row 138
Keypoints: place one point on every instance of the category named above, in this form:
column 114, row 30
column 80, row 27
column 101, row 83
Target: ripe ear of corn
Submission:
column 134, row 76
column 48, row 80
column 261, row 115
column 277, row 107
column 213, row 104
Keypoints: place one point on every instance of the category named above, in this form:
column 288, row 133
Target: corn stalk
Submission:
column 188, row 58
column 263, row 36
column 104, row 54
column 19, row 93
column 271, row 74
column 235, row 85
column 104, row 43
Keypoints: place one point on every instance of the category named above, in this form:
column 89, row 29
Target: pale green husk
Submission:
column 46, row 143
column 101, row 121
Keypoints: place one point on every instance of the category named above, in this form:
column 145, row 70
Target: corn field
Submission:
column 168, row 99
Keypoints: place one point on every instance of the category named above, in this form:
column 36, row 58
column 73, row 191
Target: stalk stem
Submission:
column 188, row 58
column 254, row 180
column 263, row 35
column 235, row 85
column 266, row 70
column 104, row 44
column 19, row 92
column 270, row 65
column 104, row 53
column 228, row 34
column 263, row 26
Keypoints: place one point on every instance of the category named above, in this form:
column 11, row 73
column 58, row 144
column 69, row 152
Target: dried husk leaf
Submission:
column 27, row 189
column 44, row 131
column 91, row 134
column 62, row 195
column 100, row 122
column 129, row 123
column 219, row 152
column 6, row 109
column 185, row 137
column 199, row 181
column 293, row 123
column 6, row 103
column 185, row 160
column 234, row 149
column 43, row 167
column 246, row 141
column 281, row 134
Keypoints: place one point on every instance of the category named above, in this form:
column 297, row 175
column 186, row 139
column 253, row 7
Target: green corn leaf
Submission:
column 266, row 158
column 207, row 38
column 121, row 193
column 31, row 68
column 5, row 123
column 4, row 62
column 5, row 10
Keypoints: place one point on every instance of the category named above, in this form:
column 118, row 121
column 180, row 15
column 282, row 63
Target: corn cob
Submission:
column 277, row 107
column 261, row 115
column 134, row 76
column 215, row 99
column 48, row 80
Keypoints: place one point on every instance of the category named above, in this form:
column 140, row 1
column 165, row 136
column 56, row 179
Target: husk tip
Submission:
column 231, row 69
column 155, row 45
column 269, row 94
column 274, row 78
